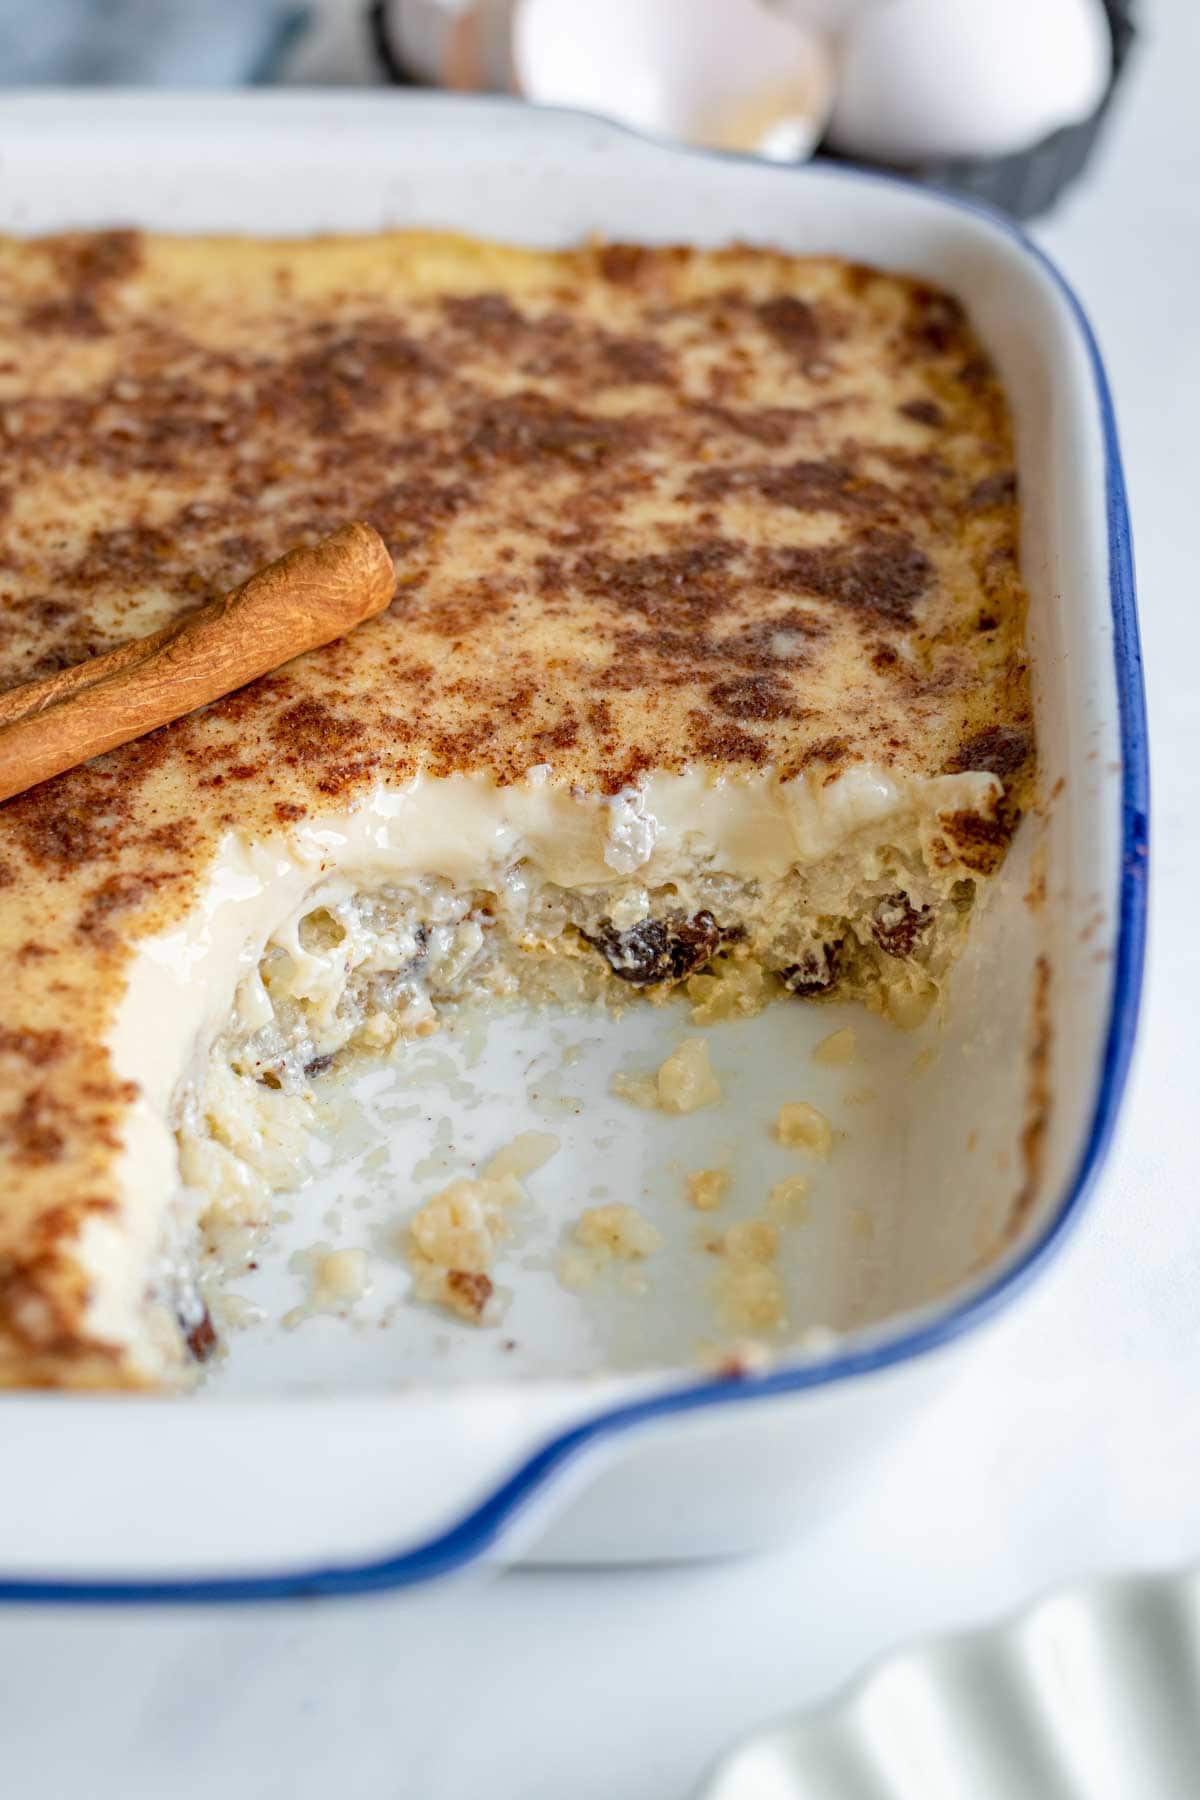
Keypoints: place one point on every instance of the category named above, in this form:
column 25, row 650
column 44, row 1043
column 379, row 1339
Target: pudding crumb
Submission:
column 787, row 1202
column 801, row 1127
column 706, row 1188
column 618, row 1230
column 684, row 1083
column 528, row 1152
column 337, row 1281
column 836, row 1050
column 453, row 1241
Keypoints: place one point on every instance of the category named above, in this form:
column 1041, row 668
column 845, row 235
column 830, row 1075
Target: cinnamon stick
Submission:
column 309, row 597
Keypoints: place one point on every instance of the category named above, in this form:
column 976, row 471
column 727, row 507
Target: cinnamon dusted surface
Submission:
column 648, row 509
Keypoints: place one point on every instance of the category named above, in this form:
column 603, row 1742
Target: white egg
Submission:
column 732, row 73
column 922, row 79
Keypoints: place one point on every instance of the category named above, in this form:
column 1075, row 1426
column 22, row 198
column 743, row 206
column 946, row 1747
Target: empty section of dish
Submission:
column 354, row 979
column 625, row 1233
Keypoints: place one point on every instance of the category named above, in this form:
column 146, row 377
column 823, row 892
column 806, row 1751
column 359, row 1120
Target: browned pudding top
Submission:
column 649, row 508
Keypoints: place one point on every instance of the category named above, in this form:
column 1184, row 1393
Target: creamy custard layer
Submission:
column 708, row 604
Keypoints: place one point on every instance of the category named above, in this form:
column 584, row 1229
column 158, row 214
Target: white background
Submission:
column 1070, row 1446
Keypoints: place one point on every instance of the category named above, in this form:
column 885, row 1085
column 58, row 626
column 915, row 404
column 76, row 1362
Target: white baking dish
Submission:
column 328, row 1459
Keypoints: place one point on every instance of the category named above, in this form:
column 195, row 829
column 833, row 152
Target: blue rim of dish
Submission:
column 480, row 1529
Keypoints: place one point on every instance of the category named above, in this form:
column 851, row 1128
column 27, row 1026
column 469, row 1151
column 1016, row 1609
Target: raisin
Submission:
column 897, row 924
column 661, row 949
column 817, row 971
column 318, row 1066
column 202, row 1338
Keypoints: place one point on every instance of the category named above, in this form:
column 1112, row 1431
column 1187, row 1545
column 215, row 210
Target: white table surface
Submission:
column 1071, row 1446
